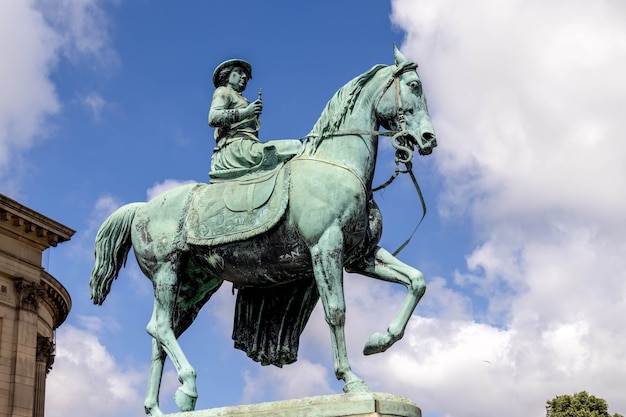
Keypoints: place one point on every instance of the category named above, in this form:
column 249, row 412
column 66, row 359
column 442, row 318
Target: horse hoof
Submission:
column 154, row 411
column 356, row 386
column 377, row 343
column 185, row 401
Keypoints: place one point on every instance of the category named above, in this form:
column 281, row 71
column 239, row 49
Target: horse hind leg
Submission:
column 151, row 403
column 161, row 328
column 189, row 304
column 387, row 267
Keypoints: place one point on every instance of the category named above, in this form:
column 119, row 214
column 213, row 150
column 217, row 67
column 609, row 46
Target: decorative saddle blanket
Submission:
column 237, row 210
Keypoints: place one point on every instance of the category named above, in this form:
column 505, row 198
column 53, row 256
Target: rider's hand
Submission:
column 254, row 109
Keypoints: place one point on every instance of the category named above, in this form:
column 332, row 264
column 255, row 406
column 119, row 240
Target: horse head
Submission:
column 402, row 108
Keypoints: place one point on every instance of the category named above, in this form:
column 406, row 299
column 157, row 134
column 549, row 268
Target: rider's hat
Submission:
column 232, row 63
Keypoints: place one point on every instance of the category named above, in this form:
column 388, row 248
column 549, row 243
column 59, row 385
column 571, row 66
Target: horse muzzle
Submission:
column 427, row 142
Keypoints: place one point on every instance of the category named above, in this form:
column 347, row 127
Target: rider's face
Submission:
column 238, row 79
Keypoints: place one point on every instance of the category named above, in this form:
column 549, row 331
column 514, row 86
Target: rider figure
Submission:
column 236, row 122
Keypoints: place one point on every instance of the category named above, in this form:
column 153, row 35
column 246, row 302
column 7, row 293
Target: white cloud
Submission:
column 105, row 205
column 33, row 37
column 83, row 27
column 567, row 345
column 86, row 380
column 95, row 325
column 370, row 307
column 445, row 303
column 532, row 359
column 161, row 187
column 27, row 96
column 527, row 99
column 301, row 379
column 95, row 104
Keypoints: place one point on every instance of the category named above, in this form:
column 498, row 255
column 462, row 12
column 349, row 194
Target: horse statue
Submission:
column 283, row 246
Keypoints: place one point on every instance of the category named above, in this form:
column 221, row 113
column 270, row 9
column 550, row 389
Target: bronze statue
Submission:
column 282, row 234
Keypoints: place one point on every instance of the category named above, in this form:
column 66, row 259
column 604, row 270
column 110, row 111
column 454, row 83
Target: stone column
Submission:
column 28, row 294
column 45, row 358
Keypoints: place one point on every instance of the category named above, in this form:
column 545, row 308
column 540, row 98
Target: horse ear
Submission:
column 399, row 58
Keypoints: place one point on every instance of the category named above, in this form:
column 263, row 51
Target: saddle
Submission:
column 239, row 209
column 251, row 193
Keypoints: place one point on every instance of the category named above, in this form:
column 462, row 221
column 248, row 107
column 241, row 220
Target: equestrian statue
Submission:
column 280, row 220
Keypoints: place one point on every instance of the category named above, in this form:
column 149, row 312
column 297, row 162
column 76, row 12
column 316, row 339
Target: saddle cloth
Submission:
column 239, row 209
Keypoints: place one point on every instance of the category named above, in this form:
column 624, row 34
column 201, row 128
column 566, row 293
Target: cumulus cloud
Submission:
column 161, row 187
column 83, row 27
column 36, row 35
column 27, row 96
column 529, row 103
column 302, row 379
column 371, row 305
column 86, row 380
column 527, row 100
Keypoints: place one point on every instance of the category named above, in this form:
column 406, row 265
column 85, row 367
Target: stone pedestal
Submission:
column 370, row 404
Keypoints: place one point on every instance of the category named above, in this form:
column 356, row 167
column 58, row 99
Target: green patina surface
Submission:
column 283, row 240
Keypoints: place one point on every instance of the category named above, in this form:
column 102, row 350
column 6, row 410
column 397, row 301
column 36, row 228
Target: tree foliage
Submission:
column 578, row 405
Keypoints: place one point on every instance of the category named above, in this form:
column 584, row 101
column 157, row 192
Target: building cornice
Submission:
column 28, row 224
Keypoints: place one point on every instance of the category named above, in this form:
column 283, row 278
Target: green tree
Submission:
column 578, row 405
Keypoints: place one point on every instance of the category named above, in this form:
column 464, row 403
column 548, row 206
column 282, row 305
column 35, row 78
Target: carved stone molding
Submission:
column 56, row 297
column 45, row 351
column 28, row 294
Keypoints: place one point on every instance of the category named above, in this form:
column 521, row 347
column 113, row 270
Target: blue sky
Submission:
column 103, row 103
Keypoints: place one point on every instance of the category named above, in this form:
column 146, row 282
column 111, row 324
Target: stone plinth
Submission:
column 374, row 404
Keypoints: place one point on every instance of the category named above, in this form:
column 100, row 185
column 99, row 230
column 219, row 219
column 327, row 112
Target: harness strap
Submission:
column 350, row 170
column 355, row 132
column 388, row 182
column 422, row 201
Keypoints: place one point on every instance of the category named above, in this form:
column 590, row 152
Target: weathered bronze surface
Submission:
column 282, row 229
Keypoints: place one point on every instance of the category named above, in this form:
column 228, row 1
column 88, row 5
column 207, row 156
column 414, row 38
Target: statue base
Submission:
column 361, row 404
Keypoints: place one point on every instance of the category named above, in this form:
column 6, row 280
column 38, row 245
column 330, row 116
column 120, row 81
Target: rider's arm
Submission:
column 227, row 110
column 220, row 114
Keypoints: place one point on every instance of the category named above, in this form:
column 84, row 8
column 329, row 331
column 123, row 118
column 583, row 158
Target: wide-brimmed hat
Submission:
column 232, row 63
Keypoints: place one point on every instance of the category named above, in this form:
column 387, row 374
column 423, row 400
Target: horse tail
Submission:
column 113, row 242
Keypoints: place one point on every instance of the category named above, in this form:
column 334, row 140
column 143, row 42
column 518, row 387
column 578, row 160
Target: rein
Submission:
column 409, row 170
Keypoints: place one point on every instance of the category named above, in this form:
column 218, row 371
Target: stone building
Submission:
column 32, row 305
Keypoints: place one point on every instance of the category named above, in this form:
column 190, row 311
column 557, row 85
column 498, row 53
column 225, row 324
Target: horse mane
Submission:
column 339, row 106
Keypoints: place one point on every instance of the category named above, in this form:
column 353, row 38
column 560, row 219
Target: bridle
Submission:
column 401, row 142
column 401, row 139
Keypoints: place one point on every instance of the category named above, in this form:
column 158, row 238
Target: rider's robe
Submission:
column 269, row 321
column 238, row 150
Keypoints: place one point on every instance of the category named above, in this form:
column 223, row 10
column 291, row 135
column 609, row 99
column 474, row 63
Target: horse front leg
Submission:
column 327, row 257
column 387, row 267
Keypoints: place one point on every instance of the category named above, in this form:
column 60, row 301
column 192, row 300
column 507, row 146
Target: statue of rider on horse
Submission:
column 282, row 236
